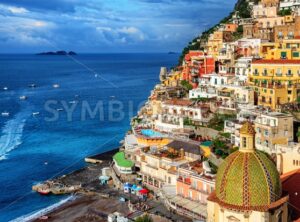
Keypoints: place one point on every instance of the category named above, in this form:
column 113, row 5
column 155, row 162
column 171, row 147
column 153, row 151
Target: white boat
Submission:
column 32, row 85
column 72, row 102
column 5, row 88
column 35, row 113
column 60, row 109
column 23, row 97
column 55, row 85
column 5, row 114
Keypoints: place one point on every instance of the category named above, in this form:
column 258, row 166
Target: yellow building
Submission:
column 173, row 79
column 286, row 49
column 248, row 186
column 276, row 82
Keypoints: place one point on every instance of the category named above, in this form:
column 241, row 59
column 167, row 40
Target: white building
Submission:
column 202, row 91
column 175, row 112
column 288, row 157
column 243, row 69
column 271, row 129
column 294, row 5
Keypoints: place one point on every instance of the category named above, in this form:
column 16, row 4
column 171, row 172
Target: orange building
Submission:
column 231, row 27
column 196, row 64
column 195, row 182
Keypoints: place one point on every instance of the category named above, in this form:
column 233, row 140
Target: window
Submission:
column 244, row 142
column 266, row 133
column 283, row 55
column 295, row 54
column 190, row 194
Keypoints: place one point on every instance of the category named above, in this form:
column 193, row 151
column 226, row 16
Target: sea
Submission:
column 87, row 113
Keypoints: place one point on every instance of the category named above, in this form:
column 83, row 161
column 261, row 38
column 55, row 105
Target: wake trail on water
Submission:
column 35, row 215
column 12, row 131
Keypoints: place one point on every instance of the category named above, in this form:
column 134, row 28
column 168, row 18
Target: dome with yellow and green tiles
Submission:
column 248, row 179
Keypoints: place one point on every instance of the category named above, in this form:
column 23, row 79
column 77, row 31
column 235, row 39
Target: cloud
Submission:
column 17, row 10
column 100, row 25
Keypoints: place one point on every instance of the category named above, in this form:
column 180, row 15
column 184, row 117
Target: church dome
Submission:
column 248, row 181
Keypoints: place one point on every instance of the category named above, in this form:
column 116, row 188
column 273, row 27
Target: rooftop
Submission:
column 122, row 161
column 188, row 147
column 276, row 61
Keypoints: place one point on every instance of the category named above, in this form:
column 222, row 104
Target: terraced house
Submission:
column 276, row 82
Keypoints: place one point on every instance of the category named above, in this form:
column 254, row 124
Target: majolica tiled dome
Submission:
column 248, row 181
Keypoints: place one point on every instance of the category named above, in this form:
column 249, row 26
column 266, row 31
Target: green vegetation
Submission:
column 217, row 122
column 186, row 85
column 214, row 168
column 220, row 148
column 144, row 218
column 187, row 122
column 239, row 33
column 201, row 99
column 243, row 11
column 226, row 135
column 285, row 12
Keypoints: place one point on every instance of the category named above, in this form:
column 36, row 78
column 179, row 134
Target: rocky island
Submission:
column 57, row 53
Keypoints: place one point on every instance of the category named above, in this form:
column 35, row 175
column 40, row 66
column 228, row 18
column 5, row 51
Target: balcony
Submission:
column 279, row 74
column 289, row 74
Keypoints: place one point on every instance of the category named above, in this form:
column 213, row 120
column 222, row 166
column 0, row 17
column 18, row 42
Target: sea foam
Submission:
column 11, row 135
column 35, row 215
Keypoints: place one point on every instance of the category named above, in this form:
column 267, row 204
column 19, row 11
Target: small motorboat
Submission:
column 5, row 114
column 35, row 113
column 43, row 190
column 59, row 109
column 32, row 85
column 55, row 86
column 72, row 102
column 5, row 88
column 23, row 97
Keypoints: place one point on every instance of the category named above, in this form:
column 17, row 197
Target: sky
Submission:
column 98, row 26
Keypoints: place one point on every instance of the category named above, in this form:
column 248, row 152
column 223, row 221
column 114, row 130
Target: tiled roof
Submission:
column 179, row 102
column 276, row 61
column 188, row 147
column 247, row 128
column 213, row 197
column 248, row 181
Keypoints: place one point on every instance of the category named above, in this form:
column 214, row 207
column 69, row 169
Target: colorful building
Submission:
column 196, row 64
column 195, row 182
column 286, row 49
column 275, row 82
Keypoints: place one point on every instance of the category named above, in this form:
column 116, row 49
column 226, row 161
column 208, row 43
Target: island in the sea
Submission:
column 57, row 53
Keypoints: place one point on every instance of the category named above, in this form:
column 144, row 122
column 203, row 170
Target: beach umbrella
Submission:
column 139, row 188
column 127, row 185
column 144, row 191
column 134, row 187
column 103, row 178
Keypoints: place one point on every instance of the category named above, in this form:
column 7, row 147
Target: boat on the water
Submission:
column 55, row 85
column 5, row 88
column 44, row 191
column 5, row 114
column 72, row 102
column 35, row 113
column 23, row 97
column 59, row 109
column 32, row 85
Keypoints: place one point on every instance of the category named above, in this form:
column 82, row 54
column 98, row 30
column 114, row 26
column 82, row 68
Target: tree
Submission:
column 186, row 85
column 144, row 218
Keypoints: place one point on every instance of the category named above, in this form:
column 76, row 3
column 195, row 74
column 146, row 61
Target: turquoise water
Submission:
column 36, row 148
column 151, row 133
